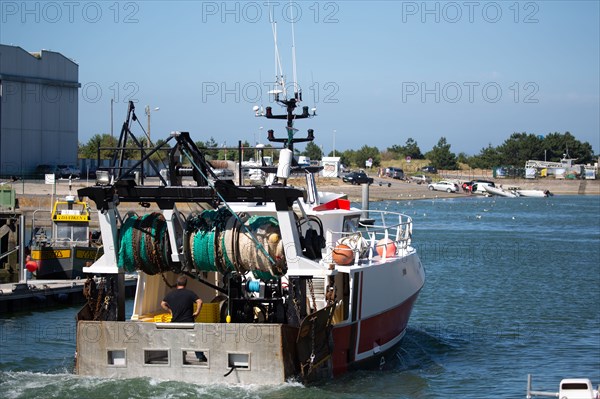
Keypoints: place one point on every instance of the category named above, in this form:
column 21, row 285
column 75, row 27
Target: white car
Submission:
column 443, row 186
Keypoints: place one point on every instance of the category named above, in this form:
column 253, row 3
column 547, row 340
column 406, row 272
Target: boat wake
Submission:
column 26, row 384
column 419, row 350
column 418, row 355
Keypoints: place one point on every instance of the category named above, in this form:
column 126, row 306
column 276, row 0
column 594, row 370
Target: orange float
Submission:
column 386, row 246
column 343, row 255
column 31, row 266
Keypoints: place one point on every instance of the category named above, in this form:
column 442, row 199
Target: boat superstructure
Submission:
column 292, row 284
column 69, row 247
column 569, row 388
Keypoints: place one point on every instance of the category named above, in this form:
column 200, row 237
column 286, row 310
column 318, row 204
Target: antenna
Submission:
column 295, row 77
column 278, row 67
column 290, row 104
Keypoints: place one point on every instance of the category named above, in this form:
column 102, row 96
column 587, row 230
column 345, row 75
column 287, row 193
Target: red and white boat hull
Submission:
column 386, row 294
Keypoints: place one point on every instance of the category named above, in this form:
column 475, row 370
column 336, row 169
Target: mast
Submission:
column 287, row 162
column 294, row 74
column 280, row 95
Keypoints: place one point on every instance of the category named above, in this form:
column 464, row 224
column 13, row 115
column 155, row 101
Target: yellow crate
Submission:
column 210, row 313
column 162, row 318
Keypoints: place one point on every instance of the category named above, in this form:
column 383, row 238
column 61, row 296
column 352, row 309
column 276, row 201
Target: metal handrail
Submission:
column 399, row 233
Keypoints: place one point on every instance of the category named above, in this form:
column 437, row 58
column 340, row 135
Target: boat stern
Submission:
column 245, row 353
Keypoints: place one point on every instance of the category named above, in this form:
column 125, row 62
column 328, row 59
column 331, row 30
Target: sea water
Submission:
column 512, row 287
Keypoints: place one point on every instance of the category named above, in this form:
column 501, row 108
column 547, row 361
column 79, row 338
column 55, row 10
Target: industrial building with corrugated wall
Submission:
column 38, row 110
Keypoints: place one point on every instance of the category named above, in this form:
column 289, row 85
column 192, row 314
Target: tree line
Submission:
column 514, row 151
column 103, row 145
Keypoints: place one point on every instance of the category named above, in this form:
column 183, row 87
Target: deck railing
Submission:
column 389, row 236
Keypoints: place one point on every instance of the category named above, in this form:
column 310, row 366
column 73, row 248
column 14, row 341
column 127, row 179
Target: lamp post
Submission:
column 148, row 112
column 334, row 142
column 112, row 101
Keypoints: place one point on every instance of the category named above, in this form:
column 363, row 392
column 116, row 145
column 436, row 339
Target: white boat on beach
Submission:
column 531, row 193
column 500, row 192
column 513, row 192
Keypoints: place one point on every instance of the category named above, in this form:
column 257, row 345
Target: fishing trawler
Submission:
column 69, row 247
column 292, row 284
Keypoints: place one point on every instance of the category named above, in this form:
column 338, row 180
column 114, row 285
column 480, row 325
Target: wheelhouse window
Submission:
column 71, row 232
column 351, row 223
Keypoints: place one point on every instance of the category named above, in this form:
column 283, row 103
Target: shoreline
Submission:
column 34, row 195
column 401, row 190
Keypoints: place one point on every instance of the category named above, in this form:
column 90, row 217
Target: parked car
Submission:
column 420, row 179
column 429, row 169
column 66, row 171
column 443, row 186
column 357, row 178
column 394, row 173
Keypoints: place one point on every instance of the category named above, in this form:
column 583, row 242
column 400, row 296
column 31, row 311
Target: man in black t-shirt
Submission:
column 180, row 303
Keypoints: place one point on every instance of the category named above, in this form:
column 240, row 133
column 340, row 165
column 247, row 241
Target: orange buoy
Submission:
column 343, row 255
column 386, row 246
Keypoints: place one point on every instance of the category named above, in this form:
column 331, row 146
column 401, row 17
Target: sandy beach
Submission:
column 403, row 190
column 37, row 195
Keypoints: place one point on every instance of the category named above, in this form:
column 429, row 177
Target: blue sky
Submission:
column 378, row 72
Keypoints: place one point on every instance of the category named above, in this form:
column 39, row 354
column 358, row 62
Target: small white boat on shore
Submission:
column 500, row 192
column 532, row 193
column 513, row 192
